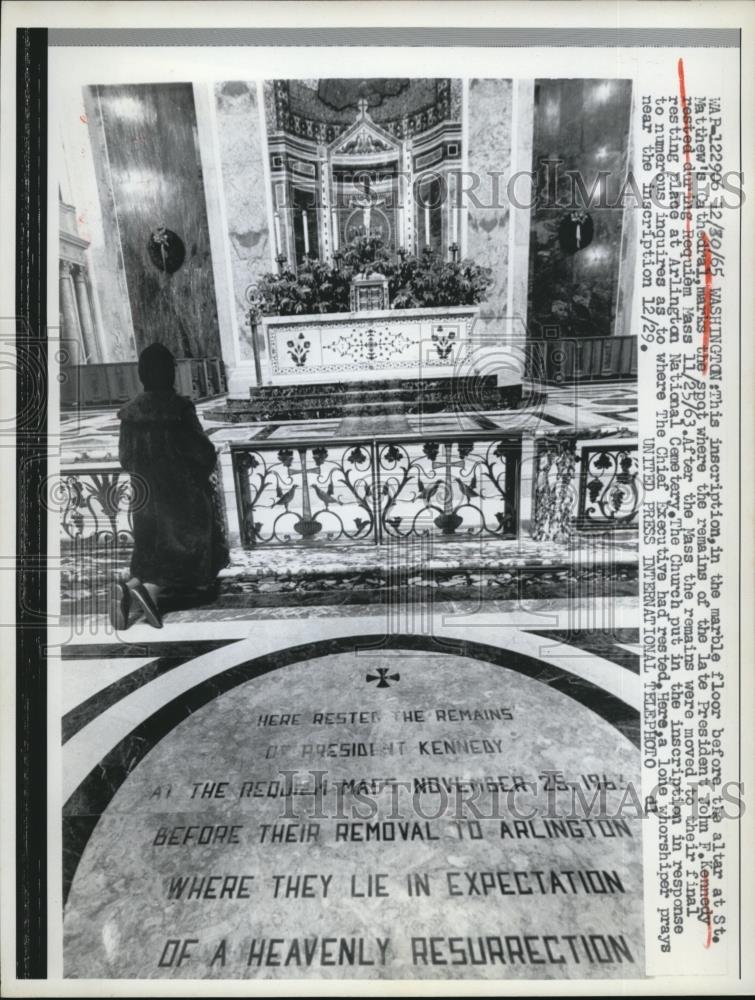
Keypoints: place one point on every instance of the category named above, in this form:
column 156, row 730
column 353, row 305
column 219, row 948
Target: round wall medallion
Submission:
column 575, row 231
column 166, row 249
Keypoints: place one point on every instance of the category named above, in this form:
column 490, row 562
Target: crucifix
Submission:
column 449, row 520
column 367, row 202
column 307, row 526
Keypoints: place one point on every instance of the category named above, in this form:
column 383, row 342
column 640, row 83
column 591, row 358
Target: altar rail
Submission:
column 359, row 490
column 609, row 489
column 582, row 359
column 97, row 504
column 374, row 490
column 117, row 382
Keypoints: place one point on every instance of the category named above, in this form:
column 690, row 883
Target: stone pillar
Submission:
column 71, row 326
column 555, row 489
column 241, row 149
column 406, row 197
column 89, row 335
column 520, row 212
column 328, row 240
column 225, row 469
column 527, row 472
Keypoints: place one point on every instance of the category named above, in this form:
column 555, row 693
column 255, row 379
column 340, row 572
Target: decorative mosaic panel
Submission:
column 374, row 346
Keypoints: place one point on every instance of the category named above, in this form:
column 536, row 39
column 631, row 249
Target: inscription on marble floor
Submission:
column 469, row 822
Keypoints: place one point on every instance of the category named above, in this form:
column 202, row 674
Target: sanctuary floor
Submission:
column 93, row 434
column 437, row 780
column 417, row 725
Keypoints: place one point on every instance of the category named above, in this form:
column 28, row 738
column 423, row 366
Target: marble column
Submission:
column 71, row 326
column 520, row 216
column 527, row 476
column 241, row 147
column 85, row 314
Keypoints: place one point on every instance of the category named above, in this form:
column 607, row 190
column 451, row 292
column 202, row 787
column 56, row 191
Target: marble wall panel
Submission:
column 156, row 177
column 488, row 218
column 90, row 190
column 581, row 130
column 239, row 131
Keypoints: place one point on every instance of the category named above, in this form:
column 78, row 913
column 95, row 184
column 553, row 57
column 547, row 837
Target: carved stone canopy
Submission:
column 364, row 139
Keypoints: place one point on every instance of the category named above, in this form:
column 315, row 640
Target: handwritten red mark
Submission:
column 707, row 300
column 687, row 155
column 705, row 904
column 83, row 119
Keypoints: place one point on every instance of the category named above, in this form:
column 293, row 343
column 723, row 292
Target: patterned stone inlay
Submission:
column 381, row 344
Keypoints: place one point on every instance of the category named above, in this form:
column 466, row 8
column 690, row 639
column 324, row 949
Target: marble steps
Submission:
column 301, row 575
column 427, row 584
column 333, row 400
column 413, row 385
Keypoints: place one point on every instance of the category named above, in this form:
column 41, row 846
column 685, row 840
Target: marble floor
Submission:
column 422, row 789
column 92, row 435
column 421, row 722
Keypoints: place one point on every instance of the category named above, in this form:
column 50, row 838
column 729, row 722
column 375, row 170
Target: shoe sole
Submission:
column 149, row 613
column 119, row 606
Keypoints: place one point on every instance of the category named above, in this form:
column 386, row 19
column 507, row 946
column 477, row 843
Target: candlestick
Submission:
column 305, row 224
column 454, row 215
column 427, row 225
column 277, row 221
column 334, row 222
column 454, row 248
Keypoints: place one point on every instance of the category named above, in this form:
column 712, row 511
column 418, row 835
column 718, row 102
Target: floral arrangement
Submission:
column 413, row 281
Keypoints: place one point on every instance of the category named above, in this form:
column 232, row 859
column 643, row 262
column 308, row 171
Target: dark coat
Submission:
column 178, row 542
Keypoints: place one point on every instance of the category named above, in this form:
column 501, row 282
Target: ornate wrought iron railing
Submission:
column 353, row 491
column 582, row 485
column 97, row 504
column 357, row 490
column 609, row 489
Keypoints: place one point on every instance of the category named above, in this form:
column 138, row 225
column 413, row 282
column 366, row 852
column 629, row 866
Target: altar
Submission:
column 367, row 346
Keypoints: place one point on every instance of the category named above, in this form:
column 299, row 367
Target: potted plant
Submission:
column 427, row 280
